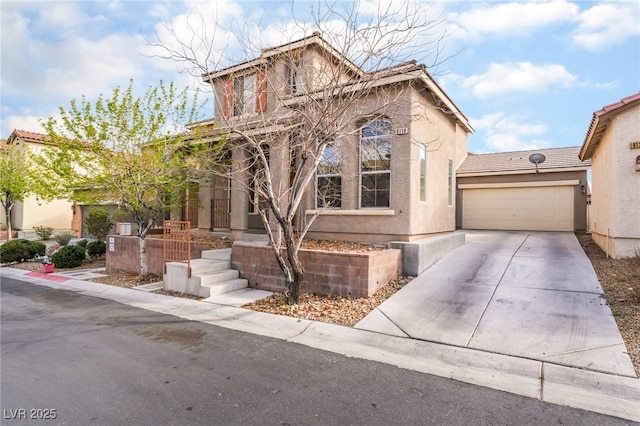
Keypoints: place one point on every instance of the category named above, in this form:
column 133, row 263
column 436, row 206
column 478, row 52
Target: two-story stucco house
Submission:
column 613, row 145
column 32, row 212
column 389, row 173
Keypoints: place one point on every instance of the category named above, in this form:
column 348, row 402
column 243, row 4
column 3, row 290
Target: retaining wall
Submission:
column 338, row 273
column 124, row 255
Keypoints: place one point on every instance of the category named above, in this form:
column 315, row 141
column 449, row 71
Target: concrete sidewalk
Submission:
column 595, row 391
column 533, row 295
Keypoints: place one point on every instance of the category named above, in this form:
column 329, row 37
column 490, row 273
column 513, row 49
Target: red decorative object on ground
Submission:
column 48, row 267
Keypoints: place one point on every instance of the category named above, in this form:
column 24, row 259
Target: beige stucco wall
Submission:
column 30, row 213
column 615, row 199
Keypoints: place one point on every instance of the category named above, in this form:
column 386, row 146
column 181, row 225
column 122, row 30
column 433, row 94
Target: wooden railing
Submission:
column 177, row 243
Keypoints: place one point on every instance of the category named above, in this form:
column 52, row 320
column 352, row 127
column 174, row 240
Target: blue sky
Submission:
column 528, row 75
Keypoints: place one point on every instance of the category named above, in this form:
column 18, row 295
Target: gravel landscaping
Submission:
column 620, row 281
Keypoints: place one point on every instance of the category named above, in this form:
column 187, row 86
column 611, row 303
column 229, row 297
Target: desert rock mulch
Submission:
column 327, row 308
column 620, row 281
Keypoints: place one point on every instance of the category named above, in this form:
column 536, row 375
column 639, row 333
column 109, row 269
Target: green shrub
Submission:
column 98, row 224
column 20, row 250
column 83, row 243
column 63, row 238
column 44, row 232
column 96, row 248
column 68, row 257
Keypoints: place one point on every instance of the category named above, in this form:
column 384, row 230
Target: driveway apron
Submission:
column 533, row 295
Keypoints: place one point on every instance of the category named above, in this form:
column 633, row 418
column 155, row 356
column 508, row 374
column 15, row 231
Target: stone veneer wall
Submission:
column 342, row 274
column 126, row 254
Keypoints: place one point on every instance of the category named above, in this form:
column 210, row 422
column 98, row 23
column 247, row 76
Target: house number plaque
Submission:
column 634, row 145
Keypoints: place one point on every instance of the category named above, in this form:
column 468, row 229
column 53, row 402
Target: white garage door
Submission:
column 547, row 208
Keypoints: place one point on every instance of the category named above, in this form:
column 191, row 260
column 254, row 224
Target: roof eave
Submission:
column 522, row 171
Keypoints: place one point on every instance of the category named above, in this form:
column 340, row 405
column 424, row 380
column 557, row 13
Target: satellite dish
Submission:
column 537, row 159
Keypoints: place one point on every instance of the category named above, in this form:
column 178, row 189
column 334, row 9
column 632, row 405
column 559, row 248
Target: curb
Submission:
column 603, row 393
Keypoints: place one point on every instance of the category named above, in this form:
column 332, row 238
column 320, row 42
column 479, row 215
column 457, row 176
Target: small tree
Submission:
column 19, row 178
column 99, row 224
column 130, row 150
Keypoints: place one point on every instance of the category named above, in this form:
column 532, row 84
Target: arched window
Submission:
column 375, row 164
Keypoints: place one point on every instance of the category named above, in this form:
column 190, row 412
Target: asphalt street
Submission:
column 84, row 360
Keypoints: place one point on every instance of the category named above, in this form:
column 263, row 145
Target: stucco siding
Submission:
column 615, row 202
column 626, row 220
column 603, row 199
column 56, row 214
column 439, row 134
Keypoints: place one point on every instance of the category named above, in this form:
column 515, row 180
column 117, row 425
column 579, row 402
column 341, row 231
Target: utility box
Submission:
column 123, row 228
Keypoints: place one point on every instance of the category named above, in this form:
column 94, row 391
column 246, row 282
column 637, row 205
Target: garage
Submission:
column 507, row 191
column 535, row 208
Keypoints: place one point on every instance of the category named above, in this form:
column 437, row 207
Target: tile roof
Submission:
column 28, row 136
column 518, row 161
column 600, row 122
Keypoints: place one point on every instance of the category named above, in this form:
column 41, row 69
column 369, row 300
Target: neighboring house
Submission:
column 503, row 191
column 31, row 212
column 613, row 145
column 419, row 139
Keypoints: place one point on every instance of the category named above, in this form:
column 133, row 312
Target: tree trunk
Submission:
column 144, row 267
column 294, row 280
column 8, row 206
column 294, row 284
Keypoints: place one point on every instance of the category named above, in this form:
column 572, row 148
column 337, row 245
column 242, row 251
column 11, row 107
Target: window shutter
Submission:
column 227, row 102
column 261, row 99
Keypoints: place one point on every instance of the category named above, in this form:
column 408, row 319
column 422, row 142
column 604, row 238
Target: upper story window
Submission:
column 244, row 94
column 375, row 164
column 328, row 179
column 294, row 75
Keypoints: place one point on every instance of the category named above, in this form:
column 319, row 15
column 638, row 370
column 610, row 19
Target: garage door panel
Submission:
column 524, row 208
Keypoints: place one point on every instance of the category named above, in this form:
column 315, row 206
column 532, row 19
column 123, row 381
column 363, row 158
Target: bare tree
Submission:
column 286, row 134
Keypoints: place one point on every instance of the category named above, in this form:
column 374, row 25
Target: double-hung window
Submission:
column 423, row 173
column 328, row 179
column 294, row 78
column 375, row 164
column 450, row 184
column 244, row 94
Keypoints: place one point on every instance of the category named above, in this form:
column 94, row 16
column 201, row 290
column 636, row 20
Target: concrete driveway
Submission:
column 532, row 295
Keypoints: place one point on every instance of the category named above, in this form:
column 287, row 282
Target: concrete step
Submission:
column 208, row 266
column 225, row 286
column 218, row 254
column 218, row 277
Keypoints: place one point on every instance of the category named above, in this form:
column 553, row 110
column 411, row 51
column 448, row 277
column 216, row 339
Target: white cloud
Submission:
column 508, row 133
column 607, row 24
column 509, row 19
column 518, row 77
column 26, row 122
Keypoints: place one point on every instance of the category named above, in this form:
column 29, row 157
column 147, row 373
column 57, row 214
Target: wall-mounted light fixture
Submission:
column 638, row 163
column 582, row 189
column 537, row 159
